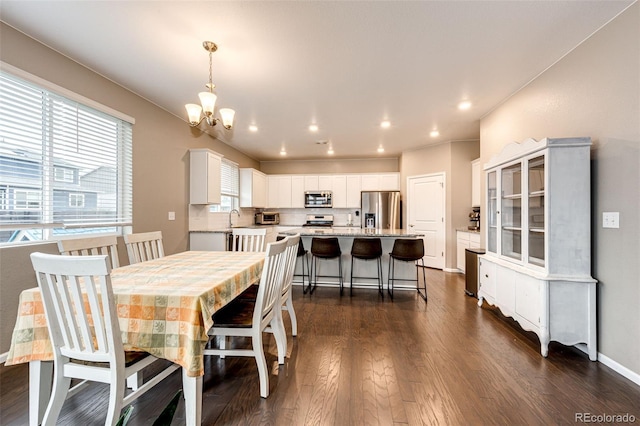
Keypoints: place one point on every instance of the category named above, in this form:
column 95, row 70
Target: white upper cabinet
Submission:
column 204, row 172
column 297, row 191
column 354, row 186
column 311, row 183
column 279, row 191
column 253, row 188
column 380, row 182
column 339, row 189
column 325, row 183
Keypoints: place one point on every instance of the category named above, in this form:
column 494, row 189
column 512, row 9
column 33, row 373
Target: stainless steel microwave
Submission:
column 318, row 199
column 267, row 218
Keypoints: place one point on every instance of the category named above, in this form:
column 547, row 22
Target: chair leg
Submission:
column 223, row 345
column 424, row 278
column 380, row 278
column 351, row 279
column 314, row 273
column 256, row 341
column 116, row 394
column 305, row 290
column 340, row 274
column 277, row 325
column 61, row 386
column 391, row 275
column 292, row 315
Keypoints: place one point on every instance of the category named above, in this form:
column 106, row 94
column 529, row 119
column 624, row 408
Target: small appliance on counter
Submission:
column 268, row 218
column 474, row 218
column 324, row 220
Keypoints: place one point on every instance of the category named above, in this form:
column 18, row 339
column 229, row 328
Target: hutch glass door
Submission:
column 536, row 210
column 511, row 211
column 492, row 199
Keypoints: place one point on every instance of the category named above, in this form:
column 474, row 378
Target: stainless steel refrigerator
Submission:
column 381, row 209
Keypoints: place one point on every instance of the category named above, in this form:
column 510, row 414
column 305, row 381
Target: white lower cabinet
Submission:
column 465, row 240
column 208, row 241
column 554, row 308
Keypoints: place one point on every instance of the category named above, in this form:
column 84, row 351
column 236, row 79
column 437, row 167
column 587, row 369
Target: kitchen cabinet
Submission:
column 354, row 186
column 253, row 188
column 204, row 174
column 311, row 183
column 380, row 182
column 537, row 268
column 465, row 240
column 297, row 191
column 208, row 241
column 476, row 177
column 279, row 191
column 339, row 189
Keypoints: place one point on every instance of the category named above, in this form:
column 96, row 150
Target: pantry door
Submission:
column 425, row 215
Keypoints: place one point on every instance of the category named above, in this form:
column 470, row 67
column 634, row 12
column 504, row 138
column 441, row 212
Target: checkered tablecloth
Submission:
column 164, row 306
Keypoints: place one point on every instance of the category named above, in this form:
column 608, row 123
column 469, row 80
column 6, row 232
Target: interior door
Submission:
column 425, row 214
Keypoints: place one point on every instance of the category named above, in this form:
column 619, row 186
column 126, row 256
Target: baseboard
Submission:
column 3, row 357
column 620, row 369
column 454, row 270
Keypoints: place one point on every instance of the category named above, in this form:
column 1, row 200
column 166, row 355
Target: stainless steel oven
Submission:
column 318, row 199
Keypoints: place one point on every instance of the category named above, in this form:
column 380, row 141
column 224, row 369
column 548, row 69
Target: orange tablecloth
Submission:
column 164, row 305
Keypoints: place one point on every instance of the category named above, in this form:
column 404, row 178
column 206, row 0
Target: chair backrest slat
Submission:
column 79, row 306
column 248, row 239
column 270, row 287
column 92, row 246
column 144, row 246
column 290, row 262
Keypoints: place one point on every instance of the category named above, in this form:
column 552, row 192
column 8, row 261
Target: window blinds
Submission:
column 62, row 164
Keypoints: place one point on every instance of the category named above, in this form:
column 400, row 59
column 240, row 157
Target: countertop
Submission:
column 351, row 232
column 471, row 231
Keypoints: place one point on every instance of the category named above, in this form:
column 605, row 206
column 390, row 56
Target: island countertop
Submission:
column 351, row 232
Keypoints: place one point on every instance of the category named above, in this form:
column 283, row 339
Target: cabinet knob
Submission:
column 486, row 275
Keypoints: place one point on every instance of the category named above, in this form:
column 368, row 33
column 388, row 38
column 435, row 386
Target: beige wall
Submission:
column 595, row 91
column 369, row 165
column 454, row 160
column 160, row 160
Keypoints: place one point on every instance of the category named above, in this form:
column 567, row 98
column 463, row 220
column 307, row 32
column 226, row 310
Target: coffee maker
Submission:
column 474, row 218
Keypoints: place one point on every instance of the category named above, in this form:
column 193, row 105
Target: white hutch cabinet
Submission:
column 537, row 268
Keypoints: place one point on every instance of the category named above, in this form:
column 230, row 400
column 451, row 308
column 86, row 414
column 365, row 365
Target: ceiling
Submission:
column 343, row 65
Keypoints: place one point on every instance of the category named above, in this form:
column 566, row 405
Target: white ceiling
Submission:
column 345, row 66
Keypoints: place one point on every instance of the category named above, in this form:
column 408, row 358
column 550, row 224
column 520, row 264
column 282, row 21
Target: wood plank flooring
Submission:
column 362, row 360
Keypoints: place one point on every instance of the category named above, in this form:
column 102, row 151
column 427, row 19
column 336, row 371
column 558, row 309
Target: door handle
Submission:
column 411, row 226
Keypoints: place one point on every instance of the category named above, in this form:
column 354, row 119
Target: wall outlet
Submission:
column 611, row 219
column 172, row 215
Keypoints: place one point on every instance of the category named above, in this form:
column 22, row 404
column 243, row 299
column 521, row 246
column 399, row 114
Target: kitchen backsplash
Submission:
column 201, row 219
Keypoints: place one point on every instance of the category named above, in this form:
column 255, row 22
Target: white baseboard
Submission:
column 620, row 369
column 3, row 357
column 454, row 270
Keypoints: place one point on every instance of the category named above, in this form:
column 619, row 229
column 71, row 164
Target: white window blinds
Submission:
column 229, row 187
column 64, row 167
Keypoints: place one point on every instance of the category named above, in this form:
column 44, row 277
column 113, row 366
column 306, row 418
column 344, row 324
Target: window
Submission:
column 61, row 174
column 3, row 199
column 229, row 187
column 26, row 200
column 65, row 162
column 76, row 200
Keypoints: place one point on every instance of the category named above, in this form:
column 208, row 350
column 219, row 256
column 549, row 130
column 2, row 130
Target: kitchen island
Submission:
column 345, row 237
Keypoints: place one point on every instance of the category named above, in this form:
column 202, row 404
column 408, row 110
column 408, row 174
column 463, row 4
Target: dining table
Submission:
column 165, row 308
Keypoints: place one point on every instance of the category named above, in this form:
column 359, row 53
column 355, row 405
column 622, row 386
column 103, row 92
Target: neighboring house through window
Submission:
column 76, row 200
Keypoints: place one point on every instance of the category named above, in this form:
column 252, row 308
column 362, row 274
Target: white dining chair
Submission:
column 286, row 298
column 248, row 239
column 246, row 318
column 107, row 245
column 79, row 306
column 144, row 246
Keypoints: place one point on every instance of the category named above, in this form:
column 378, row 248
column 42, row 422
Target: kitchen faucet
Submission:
column 233, row 210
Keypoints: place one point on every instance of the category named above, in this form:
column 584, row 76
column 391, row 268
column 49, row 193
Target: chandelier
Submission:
column 208, row 100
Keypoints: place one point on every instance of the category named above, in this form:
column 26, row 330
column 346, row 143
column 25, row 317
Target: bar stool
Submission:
column 407, row 250
column 367, row 249
column 324, row 248
column 302, row 252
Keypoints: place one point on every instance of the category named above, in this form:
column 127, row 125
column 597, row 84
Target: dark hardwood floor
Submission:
column 362, row 360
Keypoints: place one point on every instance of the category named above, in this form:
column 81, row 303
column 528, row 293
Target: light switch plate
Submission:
column 611, row 219
column 172, row 215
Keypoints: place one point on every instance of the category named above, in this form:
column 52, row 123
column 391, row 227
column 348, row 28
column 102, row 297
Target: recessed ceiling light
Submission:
column 330, row 151
column 385, row 124
column 380, row 149
column 434, row 133
column 253, row 128
column 313, row 128
column 283, row 152
column 464, row 105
